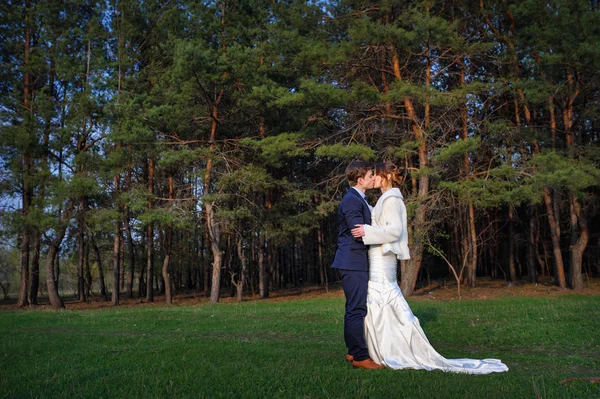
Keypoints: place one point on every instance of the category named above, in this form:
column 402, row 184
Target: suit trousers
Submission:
column 355, row 283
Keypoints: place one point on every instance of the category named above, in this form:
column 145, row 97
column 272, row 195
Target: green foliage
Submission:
column 564, row 173
column 500, row 186
column 340, row 151
column 458, row 149
column 323, row 95
column 247, row 180
column 174, row 157
column 275, row 150
column 408, row 148
column 103, row 220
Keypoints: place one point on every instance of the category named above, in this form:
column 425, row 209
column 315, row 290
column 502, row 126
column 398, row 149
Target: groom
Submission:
column 352, row 264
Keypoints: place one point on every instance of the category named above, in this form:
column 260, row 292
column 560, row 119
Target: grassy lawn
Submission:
column 294, row 349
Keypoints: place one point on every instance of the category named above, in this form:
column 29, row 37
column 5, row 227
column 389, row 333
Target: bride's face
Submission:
column 377, row 181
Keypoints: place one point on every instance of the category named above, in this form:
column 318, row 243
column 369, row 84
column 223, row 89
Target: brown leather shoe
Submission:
column 349, row 357
column 368, row 364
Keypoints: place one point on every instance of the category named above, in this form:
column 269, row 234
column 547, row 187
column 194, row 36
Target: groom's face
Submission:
column 367, row 181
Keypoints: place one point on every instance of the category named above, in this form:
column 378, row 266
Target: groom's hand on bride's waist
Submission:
column 358, row 231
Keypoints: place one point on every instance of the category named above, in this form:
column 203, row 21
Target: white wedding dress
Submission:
column 393, row 333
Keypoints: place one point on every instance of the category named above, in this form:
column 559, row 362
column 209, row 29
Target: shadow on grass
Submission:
column 427, row 315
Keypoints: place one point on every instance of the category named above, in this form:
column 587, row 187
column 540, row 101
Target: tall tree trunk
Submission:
column 35, row 267
column 27, row 166
column 116, row 263
column 166, row 275
column 52, row 258
column 205, row 266
column 81, row 252
column 150, row 236
column 168, row 244
column 239, row 285
column 531, row 244
column 165, row 267
column 211, row 222
column 263, row 275
column 321, row 264
column 511, row 245
column 410, row 269
column 472, row 268
column 553, row 214
column 578, row 222
column 117, row 239
column 57, row 270
column 472, row 249
column 578, row 243
column 100, row 267
column 130, row 252
column 555, row 234
column 88, row 272
column 122, row 259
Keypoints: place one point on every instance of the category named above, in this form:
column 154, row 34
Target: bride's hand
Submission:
column 358, row 230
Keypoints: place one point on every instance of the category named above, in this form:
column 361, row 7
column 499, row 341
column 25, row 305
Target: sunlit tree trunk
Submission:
column 410, row 269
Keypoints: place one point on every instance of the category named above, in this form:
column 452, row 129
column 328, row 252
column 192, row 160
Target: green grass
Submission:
column 294, row 350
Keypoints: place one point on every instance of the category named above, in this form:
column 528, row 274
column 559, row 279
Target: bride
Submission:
column 393, row 333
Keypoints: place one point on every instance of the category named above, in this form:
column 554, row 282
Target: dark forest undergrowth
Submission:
column 436, row 289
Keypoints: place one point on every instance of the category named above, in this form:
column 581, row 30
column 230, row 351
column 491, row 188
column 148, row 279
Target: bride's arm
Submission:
column 392, row 228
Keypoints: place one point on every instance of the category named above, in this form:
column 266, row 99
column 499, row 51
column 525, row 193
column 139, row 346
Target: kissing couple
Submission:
column 380, row 329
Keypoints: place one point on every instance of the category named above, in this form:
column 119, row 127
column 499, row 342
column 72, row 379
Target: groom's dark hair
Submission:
column 357, row 169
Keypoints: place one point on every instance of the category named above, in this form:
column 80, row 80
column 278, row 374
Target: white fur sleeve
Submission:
column 392, row 225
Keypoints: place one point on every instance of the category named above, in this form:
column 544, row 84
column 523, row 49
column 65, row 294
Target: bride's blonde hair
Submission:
column 384, row 169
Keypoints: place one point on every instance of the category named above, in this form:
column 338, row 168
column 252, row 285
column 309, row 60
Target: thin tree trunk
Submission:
column 239, row 285
column 52, row 257
column 555, row 234
column 150, row 236
column 116, row 263
column 27, row 166
column 122, row 260
column 81, row 295
column 578, row 244
column 531, row 269
column 205, row 268
column 579, row 239
column 511, row 246
column 100, row 268
column 57, row 268
column 165, row 267
column 464, row 261
column 35, row 267
column 88, row 272
column 410, row 269
column 213, row 228
column 168, row 244
column 472, row 253
column 130, row 252
column 321, row 263
column 117, row 239
column 263, row 275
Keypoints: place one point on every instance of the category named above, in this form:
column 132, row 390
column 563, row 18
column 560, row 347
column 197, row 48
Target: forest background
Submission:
column 162, row 146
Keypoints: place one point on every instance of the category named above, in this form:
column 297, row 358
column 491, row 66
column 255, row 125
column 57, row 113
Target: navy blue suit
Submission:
column 352, row 264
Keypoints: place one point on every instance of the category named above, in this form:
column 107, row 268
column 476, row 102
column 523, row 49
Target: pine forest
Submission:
column 155, row 147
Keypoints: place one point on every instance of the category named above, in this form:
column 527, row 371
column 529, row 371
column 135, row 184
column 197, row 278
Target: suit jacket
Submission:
column 388, row 226
column 351, row 253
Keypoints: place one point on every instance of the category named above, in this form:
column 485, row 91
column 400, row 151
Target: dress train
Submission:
column 394, row 335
